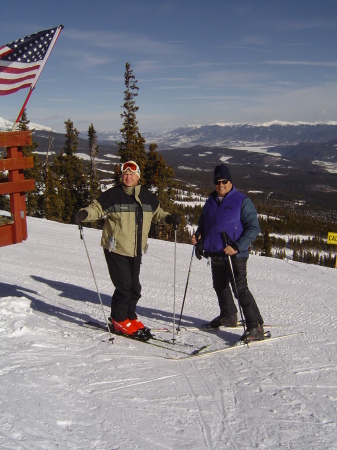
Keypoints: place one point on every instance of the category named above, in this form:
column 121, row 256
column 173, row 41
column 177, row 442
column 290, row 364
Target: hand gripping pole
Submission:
column 233, row 282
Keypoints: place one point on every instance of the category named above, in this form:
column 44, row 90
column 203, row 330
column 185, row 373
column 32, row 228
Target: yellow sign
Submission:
column 332, row 238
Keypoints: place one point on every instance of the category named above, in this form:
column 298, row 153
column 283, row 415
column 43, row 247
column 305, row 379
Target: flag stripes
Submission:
column 22, row 61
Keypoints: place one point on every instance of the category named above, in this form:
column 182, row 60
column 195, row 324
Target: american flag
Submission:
column 22, row 61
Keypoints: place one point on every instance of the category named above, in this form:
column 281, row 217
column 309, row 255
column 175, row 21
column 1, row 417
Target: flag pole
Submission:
column 15, row 124
column 50, row 48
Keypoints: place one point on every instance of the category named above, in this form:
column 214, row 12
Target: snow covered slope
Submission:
column 64, row 386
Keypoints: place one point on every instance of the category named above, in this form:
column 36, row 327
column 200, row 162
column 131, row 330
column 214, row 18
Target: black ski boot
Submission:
column 222, row 321
column 253, row 334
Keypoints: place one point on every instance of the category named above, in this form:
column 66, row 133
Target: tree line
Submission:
column 65, row 183
column 308, row 249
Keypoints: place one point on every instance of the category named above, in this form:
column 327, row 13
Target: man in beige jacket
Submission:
column 129, row 210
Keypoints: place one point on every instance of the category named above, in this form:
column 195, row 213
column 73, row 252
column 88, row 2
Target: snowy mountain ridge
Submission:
column 237, row 134
column 262, row 124
column 220, row 134
column 6, row 125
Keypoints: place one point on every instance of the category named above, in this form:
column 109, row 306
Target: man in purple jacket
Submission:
column 227, row 226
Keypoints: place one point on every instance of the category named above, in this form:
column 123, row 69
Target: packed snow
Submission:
column 66, row 386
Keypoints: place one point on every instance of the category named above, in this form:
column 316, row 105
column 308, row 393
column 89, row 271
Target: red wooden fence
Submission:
column 15, row 185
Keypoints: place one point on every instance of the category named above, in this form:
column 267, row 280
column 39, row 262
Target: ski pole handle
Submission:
column 225, row 238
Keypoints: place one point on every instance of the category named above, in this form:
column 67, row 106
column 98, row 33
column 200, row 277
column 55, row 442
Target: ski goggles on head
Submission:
column 131, row 165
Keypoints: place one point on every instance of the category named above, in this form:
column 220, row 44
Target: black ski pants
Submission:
column 222, row 276
column 124, row 273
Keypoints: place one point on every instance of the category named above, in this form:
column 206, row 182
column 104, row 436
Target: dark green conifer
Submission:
column 94, row 189
column 267, row 246
column 34, row 199
column 133, row 145
column 69, row 178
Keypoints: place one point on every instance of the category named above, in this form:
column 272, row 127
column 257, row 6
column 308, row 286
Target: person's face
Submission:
column 222, row 187
column 130, row 178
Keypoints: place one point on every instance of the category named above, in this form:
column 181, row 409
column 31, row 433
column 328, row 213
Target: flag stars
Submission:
column 25, row 56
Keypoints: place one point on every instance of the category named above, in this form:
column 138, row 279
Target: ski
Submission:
column 204, row 327
column 156, row 342
column 236, row 345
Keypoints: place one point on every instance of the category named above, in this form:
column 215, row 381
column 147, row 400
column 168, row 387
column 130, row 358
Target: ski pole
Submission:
column 235, row 289
column 188, row 277
column 93, row 274
column 175, row 226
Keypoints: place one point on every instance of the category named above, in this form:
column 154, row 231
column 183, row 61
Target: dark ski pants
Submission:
column 222, row 276
column 124, row 273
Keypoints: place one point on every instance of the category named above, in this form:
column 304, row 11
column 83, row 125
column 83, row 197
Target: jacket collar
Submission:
column 131, row 190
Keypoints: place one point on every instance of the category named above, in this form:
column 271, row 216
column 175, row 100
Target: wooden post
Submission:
column 15, row 185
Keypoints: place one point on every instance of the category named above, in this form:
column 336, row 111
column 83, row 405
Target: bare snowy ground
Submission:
column 64, row 386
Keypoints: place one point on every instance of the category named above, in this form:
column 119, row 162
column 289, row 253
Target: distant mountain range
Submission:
column 238, row 135
column 295, row 163
column 230, row 135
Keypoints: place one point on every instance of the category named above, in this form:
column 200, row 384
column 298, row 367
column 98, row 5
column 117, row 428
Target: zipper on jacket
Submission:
column 136, row 228
column 217, row 212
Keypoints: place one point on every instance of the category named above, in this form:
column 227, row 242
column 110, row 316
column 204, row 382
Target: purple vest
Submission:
column 225, row 217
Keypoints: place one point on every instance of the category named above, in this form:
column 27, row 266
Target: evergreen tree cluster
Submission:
column 68, row 183
column 315, row 258
column 287, row 221
column 65, row 184
column 308, row 249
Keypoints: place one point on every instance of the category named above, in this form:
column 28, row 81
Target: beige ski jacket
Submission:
column 128, row 212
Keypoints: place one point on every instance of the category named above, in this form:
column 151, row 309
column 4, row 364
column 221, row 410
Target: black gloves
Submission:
column 78, row 216
column 173, row 219
column 198, row 249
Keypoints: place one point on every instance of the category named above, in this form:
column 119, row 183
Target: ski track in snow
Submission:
column 65, row 386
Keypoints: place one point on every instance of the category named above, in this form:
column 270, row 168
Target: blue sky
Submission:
column 196, row 61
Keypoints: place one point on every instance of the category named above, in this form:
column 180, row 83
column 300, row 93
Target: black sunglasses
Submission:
column 218, row 182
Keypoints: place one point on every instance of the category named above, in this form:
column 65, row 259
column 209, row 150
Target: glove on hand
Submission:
column 78, row 216
column 173, row 219
column 198, row 249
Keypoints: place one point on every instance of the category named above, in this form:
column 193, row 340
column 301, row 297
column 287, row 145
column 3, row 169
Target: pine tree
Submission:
column 54, row 201
column 159, row 177
column 155, row 173
column 117, row 174
column 133, row 145
column 68, row 179
column 93, row 147
column 267, row 246
column 71, row 143
column 48, row 180
column 93, row 153
column 35, row 199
